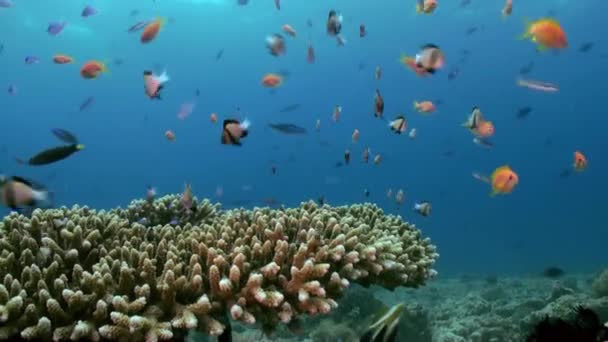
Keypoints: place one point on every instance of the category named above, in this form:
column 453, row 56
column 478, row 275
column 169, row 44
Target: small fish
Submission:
column 150, row 193
column 233, row 131
column 92, row 69
column 538, row 85
column 275, row 44
column 355, row 136
column 52, row 155
column 321, row 200
column 273, row 169
column 365, row 155
column 378, row 104
column 586, row 47
column 400, row 197
column 508, row 9
column 399, row 125
column 12, row 89
column 289, row 30
column 277, row 4
column 170, row 135
column 137, row 26
column 318, row 125
column 580, row 161
column 377, row 159
column 465, row 3
column 185, row 110
column 56, row 27
column 334, row 23
column 86, row 103
column 413, row 133
column 453, row 73
column 526, row 69
column 290, row 108
column 503, row 180
column 6, row 3
column 483, row 142
column 153, row 84
column 65, row 136
column 219, row 54
column 31, row 60
column 365, row 192
column 18, row 193
column 288, row 128
column 151, row 30
column 423, row 208
column 378, row 72
column 337, row 112
column 197, row 92
column 346, row 157
column 471, row 30
column 553, row 272
column 310, row 54
column 1, row 48
column 213, row 117
column 424, row 106
column 242, row 2
column 187, row 197
column 88, row 11
column 523, row 112
column 362, row 31
column 389, row 193
column 62, row 59
column 272, row 80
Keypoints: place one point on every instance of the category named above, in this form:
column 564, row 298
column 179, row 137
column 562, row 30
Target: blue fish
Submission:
column 6, row 3
column 87, row 103
column 137, row 26
column 55, row 27
column 88, row 11
column 31, row 60
column 12, row 89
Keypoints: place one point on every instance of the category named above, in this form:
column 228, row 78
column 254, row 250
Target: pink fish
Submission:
column 153, row 84
column 185, row 110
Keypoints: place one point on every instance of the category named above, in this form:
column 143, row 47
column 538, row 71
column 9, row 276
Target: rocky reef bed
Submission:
column 156, row 270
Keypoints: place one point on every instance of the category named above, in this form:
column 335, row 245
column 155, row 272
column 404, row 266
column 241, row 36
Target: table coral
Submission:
column 69, row 274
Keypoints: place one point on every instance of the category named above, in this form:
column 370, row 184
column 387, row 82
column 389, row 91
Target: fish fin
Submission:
column 164, row 77
column 22, row 180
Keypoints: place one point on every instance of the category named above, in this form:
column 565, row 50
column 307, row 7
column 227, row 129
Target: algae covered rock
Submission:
column 600, row 285
column 76, row 273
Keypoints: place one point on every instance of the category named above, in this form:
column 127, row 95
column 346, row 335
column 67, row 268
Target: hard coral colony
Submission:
column 84, row 274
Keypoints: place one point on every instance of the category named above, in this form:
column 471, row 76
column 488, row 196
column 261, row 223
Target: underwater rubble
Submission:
column 156, row 270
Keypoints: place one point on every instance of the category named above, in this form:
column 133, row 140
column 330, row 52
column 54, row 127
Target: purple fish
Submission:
column 31, row 60
column 88, row 11
column 138, row 26
column 12, row 89
column 55, row 27
column 6, row 3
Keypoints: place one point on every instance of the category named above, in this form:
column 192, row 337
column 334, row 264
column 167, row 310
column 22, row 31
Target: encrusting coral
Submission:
column 69, row 274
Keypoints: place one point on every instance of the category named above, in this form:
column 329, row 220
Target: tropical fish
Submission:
column 53, row 155
column 276, row 44
column 88, row 11
column 233, row 131
column 503, row 180
column 424, row 106
column 289, row 30
column 153, row 84
column 288, row 128
column 426, row 6
column 170, row 135
column 399, row 125
column 547, row 33
column 272, row 80
column 384, row 328
column 92, row 69
column 56, row 27
column 151, row 30
column 580, row 161
column 62, row 59
column 423, row 208
column 538, row 85
column 378, row 104
column 19, row 193
column 334, row 23
column 86, row 103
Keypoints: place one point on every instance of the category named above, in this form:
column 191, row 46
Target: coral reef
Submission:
column 70, row 274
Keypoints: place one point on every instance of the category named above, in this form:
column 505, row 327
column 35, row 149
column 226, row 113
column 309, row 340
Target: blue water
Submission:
column 548, row 220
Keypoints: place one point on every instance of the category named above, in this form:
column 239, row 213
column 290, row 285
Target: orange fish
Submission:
column 272, row 80
column 478, row 125
column 153, row 84
column 92, row 69
column 426, row 6
column 547, row 33
column 170, row 135
column 508, row 9
column 424, row 106
column 503, row 180
column 213, row 117
column 289, row 30
column 485, row 129
column 151, row 30
column 62, row 59
column 580, row 161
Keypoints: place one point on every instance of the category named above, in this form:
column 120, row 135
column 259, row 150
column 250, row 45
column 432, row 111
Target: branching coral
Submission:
column 72, row 274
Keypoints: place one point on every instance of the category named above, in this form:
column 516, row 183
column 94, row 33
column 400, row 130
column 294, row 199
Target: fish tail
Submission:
column 416, row 104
